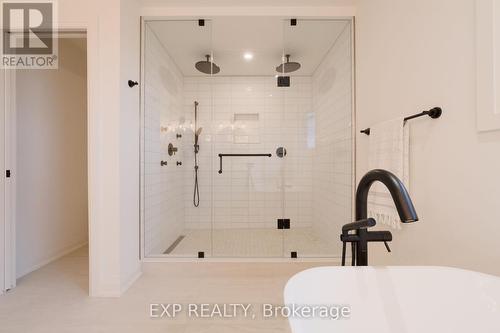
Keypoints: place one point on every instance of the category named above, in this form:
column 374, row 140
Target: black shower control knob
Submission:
column 281, row 152
column 179, row 163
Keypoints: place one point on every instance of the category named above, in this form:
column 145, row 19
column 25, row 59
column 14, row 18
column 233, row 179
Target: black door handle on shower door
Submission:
column 239, row 155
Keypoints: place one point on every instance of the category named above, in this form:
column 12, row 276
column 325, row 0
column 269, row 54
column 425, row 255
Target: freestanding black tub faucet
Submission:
column 360, row 240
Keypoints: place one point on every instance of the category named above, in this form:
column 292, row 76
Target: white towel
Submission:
column 389, row 149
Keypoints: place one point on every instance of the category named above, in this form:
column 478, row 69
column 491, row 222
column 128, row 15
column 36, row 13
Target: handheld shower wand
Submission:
column 196, row 138
column 197, row 132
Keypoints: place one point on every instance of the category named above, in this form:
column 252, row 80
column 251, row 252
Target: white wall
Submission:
column 51, row 188
column 333, row 165
column 411, row 56
column 113, row 35
column 200, row 8
column 130, row 50
column 163, row 114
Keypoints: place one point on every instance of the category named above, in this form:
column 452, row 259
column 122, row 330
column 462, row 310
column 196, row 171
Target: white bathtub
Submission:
column 396, row 299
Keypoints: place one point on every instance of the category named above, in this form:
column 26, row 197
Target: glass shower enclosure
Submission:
column 247, row 137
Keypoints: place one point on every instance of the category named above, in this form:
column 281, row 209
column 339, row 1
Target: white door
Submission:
column 2, row 184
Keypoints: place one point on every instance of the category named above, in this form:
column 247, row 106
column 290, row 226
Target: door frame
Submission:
column 8, row 218
column 2, row 186
column 8, row 186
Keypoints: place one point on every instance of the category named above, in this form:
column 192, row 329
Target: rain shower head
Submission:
column 207, row 66
column 288, row 66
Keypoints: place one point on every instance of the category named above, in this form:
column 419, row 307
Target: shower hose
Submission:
column 196, row 192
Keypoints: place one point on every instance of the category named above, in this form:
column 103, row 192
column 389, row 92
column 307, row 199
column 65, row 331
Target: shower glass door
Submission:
column 317, row 134
column 248, row 113
column 176, row 199
column 247, row 136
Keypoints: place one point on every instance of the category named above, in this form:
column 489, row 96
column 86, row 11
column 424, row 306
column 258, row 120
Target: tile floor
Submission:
column 54, row 298
column 255, row 243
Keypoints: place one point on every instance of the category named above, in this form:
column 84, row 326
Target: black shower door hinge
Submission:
column 283, row 223
column 7, row 173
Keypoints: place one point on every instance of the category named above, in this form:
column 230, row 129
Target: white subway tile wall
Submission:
column 333, row 165
column 250, row 115
column 163, row 205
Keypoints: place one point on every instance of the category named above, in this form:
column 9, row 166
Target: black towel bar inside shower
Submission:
column 240, row 155
column 434, row 113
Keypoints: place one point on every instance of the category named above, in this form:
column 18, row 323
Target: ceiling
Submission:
column 266, row 38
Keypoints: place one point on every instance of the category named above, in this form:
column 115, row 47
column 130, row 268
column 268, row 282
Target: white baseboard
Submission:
column 59, row 255
column 131, row 280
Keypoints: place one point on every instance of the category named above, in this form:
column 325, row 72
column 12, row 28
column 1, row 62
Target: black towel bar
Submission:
column 434, row 113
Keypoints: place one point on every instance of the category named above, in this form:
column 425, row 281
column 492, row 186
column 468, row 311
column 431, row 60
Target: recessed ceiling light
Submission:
column 248, row 56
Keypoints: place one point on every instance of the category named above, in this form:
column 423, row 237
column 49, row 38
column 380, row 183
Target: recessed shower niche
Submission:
column 260, row 113
column 246, row 128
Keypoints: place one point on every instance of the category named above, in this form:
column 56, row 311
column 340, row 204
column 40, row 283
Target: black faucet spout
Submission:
column 398, row 191
column 401, row 199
